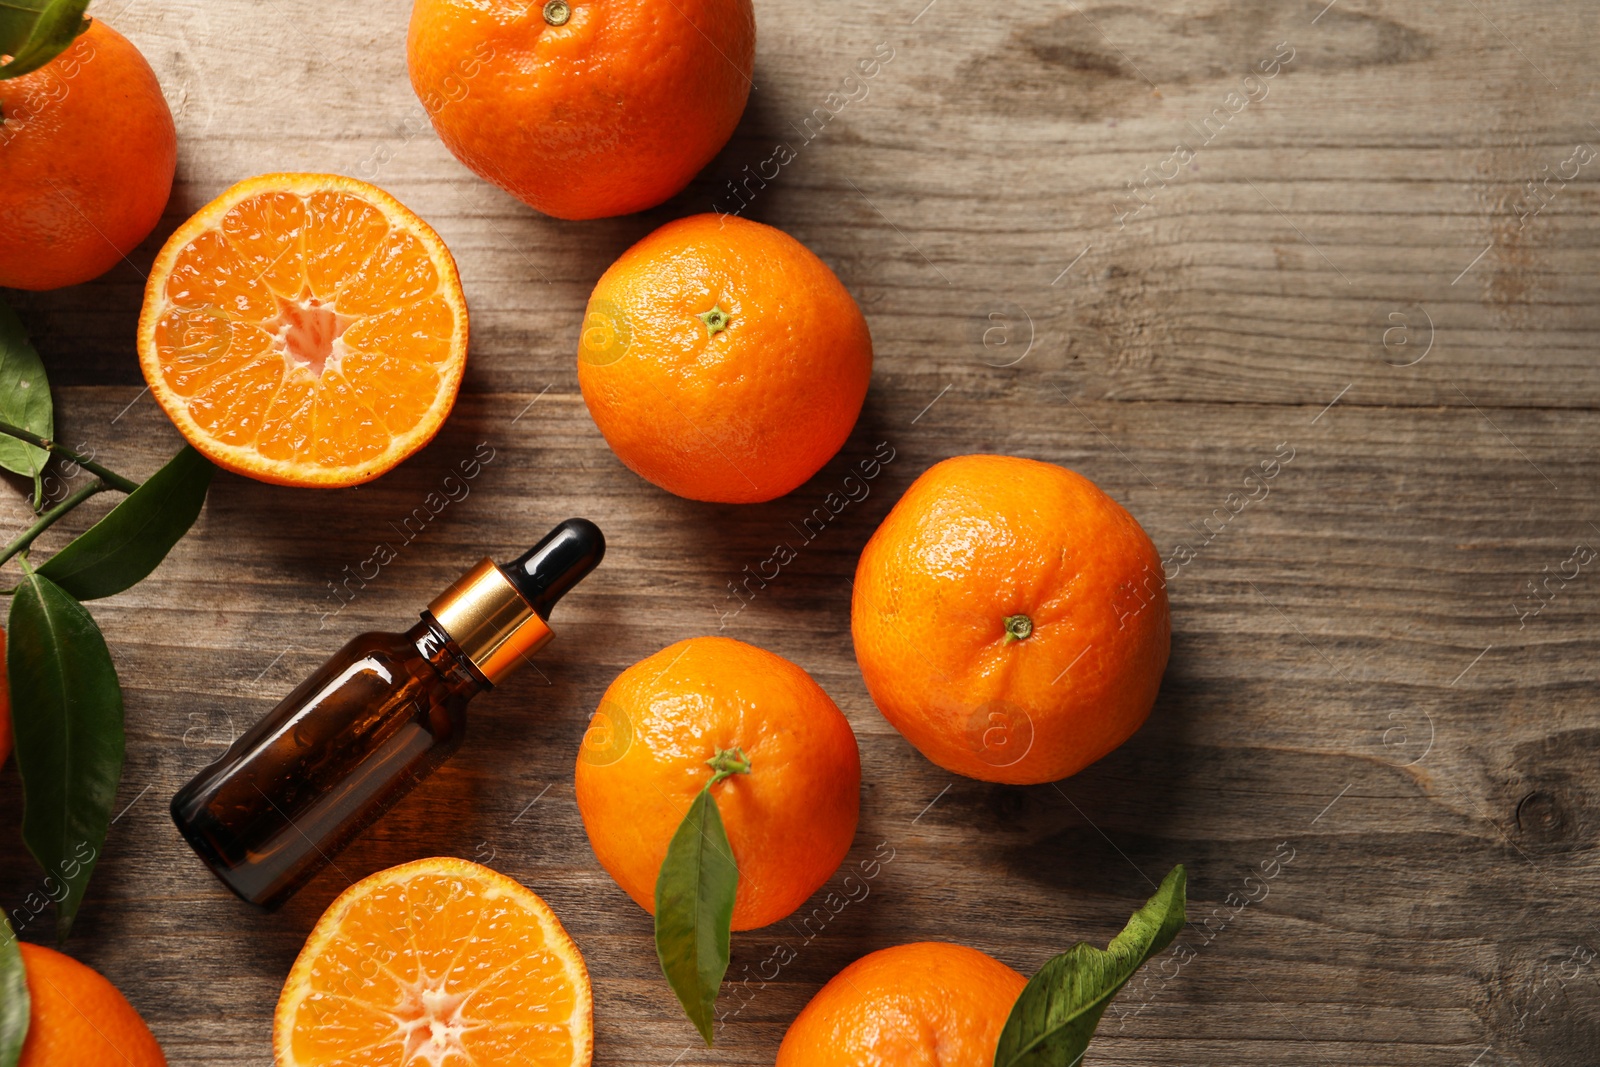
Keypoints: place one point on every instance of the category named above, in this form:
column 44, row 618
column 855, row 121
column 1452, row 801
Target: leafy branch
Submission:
column 49, row 518
column 66, row 701
column 111, row 478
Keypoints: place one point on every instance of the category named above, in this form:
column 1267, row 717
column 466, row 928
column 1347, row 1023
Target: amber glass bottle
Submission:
column 371, row 723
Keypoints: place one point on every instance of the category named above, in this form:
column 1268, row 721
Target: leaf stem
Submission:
column 49, row 518
column 727, row 763
column 111, row 478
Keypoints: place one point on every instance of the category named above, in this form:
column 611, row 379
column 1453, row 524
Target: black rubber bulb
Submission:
column 557, row 563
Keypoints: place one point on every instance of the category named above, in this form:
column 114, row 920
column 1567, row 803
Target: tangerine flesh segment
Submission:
column 211, row 273
column 442, row 920
column 286, row 427
column 534, row 1045
column 341, row 232
column 404, row 392
column 192, row 336
column 231, row 407
column 399, row 271
column 419, row 332
column 362, row 1029
column 451, row 968
column 194, row 379
column 204, row 346
column 345, row 431
column 268, row 232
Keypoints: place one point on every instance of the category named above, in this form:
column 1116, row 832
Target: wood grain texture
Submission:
column 1348, row 267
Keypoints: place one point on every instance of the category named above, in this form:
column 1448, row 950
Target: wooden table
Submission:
column 1092, row 233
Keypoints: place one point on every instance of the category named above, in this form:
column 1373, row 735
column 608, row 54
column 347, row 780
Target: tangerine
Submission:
column 78, row 1019
column 304, row 329
column 583, row 108
column 437, row 961
column 722, row 360
column 87, row 153
column 790, row 819
column 918, row 1005
column 1010, row 619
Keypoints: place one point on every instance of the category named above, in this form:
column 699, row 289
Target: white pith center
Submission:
column 308, row 332
column 432, row 1021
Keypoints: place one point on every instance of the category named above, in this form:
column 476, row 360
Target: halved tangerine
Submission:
column 305, row 329
column 436, row 963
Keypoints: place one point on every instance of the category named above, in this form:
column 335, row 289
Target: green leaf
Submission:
column 1054, row 1018
column 33, row 32
column 66, row 720
column 694, row 910
column 24, row 393
column 136, row 535
column 15, row 1003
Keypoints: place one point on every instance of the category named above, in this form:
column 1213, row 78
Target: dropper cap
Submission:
column 545, row 572
column 497, row 615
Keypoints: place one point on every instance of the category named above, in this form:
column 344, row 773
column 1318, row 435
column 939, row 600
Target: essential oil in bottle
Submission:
column 372, row 722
